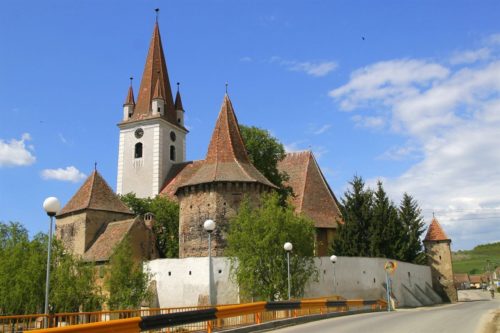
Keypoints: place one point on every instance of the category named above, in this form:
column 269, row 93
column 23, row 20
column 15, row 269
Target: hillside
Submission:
column 474, row 261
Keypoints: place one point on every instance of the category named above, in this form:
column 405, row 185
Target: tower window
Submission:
column 159, row 110
column 138, row 150
column 172, row 153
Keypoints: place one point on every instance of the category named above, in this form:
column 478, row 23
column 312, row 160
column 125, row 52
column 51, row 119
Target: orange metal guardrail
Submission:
column 221, row 317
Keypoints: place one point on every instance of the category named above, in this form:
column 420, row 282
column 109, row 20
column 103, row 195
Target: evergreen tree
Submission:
column 410, row 216
column 353, row 237
column 255, row 247
column 126, row 281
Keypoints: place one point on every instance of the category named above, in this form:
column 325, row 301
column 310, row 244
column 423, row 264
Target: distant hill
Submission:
column 475, row 260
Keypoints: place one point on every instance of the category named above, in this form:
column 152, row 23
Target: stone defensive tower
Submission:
column 216, row 187
column 438, row 251
column 152, row 132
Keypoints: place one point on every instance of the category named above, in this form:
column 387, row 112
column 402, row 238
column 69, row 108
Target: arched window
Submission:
column 172, row 153
column 138, row 150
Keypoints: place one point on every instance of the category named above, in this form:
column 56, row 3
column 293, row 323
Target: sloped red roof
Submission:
column 178, row 101
column 461, row 277
column 95, row 194
column 227, row 159
column 435, row 232
column 476, row 278
column 103, row 247
column 130, row 97
column 313, row 195
column 155, row 70
column 179, row 174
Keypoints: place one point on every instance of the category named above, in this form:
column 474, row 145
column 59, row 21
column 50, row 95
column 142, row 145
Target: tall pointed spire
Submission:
column 435, row 232
column 226, row 144
column 178, row 100
column 130, row 95
column 155, row 75
column 227, row 158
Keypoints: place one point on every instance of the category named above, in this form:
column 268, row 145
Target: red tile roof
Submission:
column 155, row 70
column 179, row 174
column 158, row 92
column 227, row 158
column 95, row 194
column 130, row 97
column 461, row 277
column 103, row 247
column 178, row 101
column 313, row 195
column 435, row 232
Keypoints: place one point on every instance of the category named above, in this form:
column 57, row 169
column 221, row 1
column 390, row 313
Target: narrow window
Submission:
column 159, row 110
column 172, row 153
column 138, row 150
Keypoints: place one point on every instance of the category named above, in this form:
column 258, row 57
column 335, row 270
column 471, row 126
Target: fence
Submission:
column 223, row 317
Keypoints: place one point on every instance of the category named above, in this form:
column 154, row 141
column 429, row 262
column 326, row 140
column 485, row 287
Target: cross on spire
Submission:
column 157, row 10
column 227, row 84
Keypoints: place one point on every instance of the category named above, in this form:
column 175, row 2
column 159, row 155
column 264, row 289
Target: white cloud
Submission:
column 69, row 174
column 368, row 121
column 451, row 116
column 293, row 147
column 322, row 129
column 62, row 138
column 470, row 56
column 16, row 153
column 313, row 68
column 246, row 59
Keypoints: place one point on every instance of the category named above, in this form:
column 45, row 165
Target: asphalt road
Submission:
column 463, row 317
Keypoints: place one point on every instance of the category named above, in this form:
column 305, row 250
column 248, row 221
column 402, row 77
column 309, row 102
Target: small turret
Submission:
column 129, row 105
column 158, row 101
column 179, row 109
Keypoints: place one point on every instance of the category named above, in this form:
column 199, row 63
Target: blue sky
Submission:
column 403, row 91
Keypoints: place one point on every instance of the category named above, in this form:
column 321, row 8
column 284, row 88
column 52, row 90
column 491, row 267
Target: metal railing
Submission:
column 210, row 319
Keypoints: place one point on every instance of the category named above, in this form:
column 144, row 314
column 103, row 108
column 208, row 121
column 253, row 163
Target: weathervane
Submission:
column 157, row 10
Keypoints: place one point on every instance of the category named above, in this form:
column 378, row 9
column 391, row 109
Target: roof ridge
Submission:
column 306, row 171
column 91, row 189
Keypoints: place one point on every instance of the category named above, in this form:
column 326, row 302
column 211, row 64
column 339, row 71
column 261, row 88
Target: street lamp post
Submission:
column 51, row 206
column 209, row 226
column 288, row 248
column 333, row 259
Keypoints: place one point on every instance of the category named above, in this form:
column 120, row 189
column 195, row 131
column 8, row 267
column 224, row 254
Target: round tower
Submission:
column 216, row 187
column 438, row 251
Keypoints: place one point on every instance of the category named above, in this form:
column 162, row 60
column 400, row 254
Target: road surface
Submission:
column 463, row 317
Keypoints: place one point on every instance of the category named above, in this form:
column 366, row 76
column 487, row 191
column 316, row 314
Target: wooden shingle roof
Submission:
column 313, row 195
column 95, row 194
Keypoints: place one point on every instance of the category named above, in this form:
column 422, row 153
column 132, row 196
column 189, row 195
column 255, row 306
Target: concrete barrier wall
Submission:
column 184, row 282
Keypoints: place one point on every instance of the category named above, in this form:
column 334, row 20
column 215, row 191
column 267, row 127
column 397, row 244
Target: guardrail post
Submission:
column 257, row 318
column 209, row 326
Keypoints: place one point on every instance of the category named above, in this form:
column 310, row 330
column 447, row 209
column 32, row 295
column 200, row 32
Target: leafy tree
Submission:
column 126, row 281
column 265, row 151
column 73, row 283
column 353, row 237
column 255, row 248
column 410, row 216
column 166, row 225
column 23, row 264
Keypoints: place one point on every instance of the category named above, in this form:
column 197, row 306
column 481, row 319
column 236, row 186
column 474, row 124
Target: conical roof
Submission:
column 95, row 194
column 155, row 70
column 130, row 97
column 227, row 159
column 178, row 101
column 435, row 232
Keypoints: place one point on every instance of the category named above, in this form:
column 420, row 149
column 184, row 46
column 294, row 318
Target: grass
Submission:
column 475, row 261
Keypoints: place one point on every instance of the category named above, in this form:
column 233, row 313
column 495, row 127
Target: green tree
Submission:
column 265, row 151
column 255, row 248
column 410, row 216
column 73, row 283
column 166, row 226
column 126, row 281
column 353, row 237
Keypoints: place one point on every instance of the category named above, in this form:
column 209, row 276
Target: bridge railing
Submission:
column 212, row 319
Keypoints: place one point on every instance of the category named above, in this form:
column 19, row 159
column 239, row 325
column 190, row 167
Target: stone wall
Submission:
column 440, row 262
column 80, row 230
column 216, row 201
column 184, row 282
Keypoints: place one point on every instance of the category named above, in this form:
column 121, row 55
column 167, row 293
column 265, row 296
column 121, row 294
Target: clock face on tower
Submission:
column 139, row 133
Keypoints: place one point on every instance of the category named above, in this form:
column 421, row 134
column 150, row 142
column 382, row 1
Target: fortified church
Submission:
column 152, row 161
